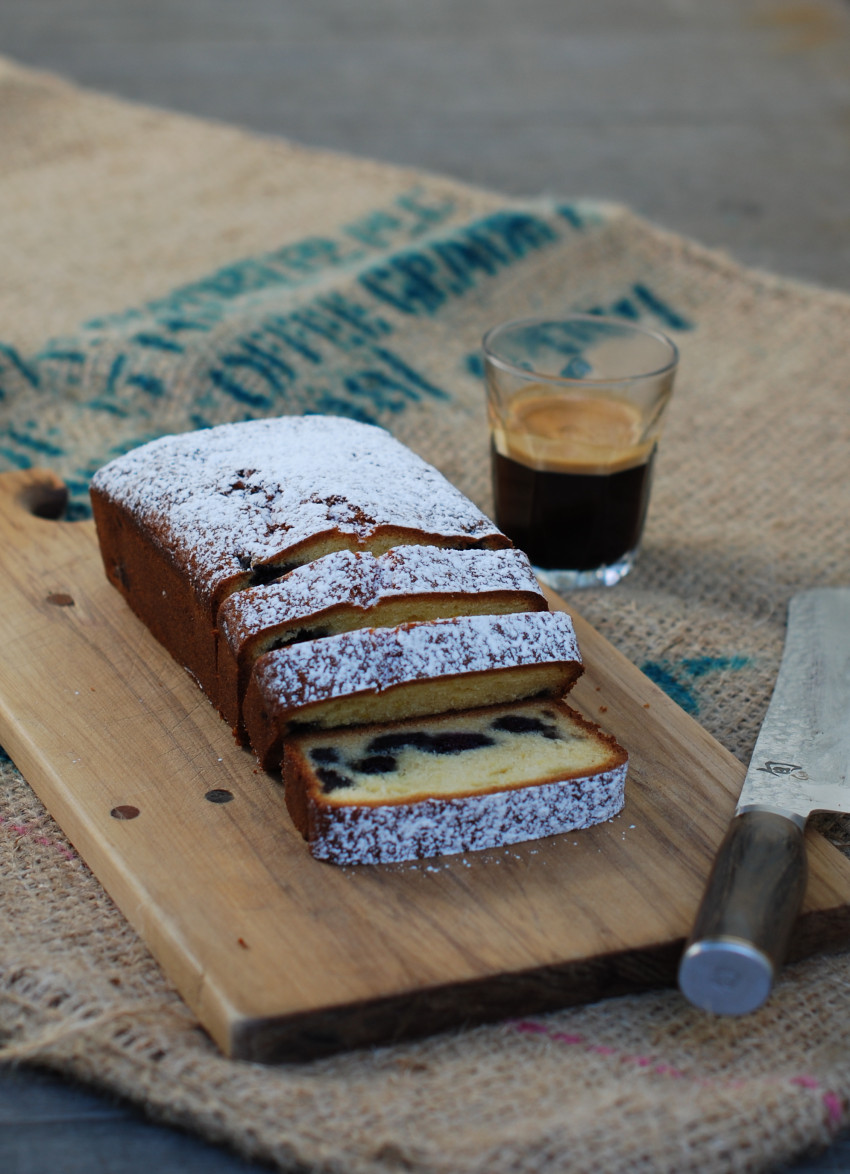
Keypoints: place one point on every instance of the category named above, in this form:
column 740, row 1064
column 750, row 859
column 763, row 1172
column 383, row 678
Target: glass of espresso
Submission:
column 575, row 407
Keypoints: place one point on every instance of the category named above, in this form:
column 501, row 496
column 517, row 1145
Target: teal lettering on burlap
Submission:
column 324, row 324
column 15, row 365
column 677, row 678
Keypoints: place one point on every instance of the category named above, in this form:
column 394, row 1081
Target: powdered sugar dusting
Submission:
column 236, row 496
column 435, row 827
column 363, row 580
column 371, row 660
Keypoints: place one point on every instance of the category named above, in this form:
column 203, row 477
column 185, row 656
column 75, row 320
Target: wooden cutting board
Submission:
column 281, row 956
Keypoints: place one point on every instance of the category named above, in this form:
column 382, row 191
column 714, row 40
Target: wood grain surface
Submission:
column 282, row 956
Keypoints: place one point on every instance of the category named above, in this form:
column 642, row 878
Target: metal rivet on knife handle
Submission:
column 744, row 923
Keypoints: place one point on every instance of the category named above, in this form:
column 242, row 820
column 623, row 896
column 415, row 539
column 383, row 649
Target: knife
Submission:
column 800, row 764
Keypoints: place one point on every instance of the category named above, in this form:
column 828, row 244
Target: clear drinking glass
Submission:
column 575, row 407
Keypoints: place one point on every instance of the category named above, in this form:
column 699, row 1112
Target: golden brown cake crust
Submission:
column 277, row 493
column 187, row 520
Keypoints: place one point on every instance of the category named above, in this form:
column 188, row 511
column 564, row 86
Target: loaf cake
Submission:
column 455, row 783
column 351, row 613
column 186, row 520
column 386, row 674
column 347, row 590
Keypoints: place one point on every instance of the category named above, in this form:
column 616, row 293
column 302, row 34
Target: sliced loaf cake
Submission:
column 347, row 590
column 386, row 674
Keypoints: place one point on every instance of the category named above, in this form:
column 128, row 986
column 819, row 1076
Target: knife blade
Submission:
column 800, row 764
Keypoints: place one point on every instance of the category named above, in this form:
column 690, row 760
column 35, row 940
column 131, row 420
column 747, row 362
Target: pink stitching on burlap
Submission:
column 834, row 1108
column 831, row 1101
column 22, row 829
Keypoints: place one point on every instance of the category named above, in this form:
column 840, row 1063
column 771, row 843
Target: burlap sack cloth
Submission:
column 222, row 276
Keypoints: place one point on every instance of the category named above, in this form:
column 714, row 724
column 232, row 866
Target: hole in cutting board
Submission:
column 219, row 795
column 125, row 811
column 46, row 499
column 60, row 599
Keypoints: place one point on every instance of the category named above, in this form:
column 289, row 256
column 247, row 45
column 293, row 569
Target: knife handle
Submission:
column 743, row 925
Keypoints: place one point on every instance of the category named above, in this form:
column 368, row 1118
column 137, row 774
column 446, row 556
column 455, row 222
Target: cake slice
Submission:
column 454, row 783
column 347, row 590
column 387, row 674
column 186, row 520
